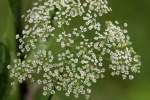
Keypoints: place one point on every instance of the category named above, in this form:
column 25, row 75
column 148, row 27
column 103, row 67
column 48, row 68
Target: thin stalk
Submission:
column 16, row 8
column 50, row 97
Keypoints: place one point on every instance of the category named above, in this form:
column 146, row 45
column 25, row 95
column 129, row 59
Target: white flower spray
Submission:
column 65, row 49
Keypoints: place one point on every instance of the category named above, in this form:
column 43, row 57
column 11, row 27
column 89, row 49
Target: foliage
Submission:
column 4, row 77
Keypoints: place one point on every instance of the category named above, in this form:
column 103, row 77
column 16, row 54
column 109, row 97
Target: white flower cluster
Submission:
column 123, row 59
column 64, row 48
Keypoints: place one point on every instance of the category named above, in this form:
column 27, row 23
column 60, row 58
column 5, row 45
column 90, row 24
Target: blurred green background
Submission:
column 135, row 12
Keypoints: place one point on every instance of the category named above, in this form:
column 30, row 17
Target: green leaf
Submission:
column 14, row 4
column 4, row 77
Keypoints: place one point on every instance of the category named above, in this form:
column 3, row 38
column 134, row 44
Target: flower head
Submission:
column 64, row 48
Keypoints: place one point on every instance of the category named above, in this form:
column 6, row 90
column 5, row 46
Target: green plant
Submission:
column 65, row 46
column 4, row 76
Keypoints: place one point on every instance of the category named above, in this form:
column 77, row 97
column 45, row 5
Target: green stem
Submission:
column 50, row 97
column 16, row 10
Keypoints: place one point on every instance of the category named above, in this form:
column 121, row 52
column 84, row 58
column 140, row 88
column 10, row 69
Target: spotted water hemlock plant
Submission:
column 64, row 48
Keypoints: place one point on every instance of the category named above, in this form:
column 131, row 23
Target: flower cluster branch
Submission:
column 65, row 48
